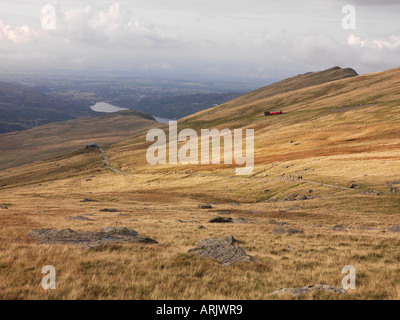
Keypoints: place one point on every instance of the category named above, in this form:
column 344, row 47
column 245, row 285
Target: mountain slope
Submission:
column 300, row 218
column 295, row 83
column 57, row 138
column 321, row 118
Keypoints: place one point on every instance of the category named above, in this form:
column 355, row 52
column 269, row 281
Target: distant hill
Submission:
column 23, row 107
column 252, row 99
column 321, row 118
column 301, row 81
column 58, row 138
column 179, row 106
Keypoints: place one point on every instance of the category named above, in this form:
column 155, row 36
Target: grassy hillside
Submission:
column 58, row 138
column 332, row 135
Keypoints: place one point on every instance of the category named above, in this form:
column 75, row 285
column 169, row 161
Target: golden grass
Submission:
column 340, row 142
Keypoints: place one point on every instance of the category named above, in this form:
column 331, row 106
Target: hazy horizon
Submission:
column 228, row 40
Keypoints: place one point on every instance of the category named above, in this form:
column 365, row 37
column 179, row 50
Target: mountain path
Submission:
column 107, row 164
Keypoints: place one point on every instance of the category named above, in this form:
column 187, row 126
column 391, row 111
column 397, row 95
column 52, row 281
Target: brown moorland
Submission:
column 333, row 135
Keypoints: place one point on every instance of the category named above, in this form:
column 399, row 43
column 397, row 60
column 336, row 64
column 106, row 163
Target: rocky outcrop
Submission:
column 286, row 230
column 230, row 220
column 222, row 249
column 89, row 240
column 204, row 206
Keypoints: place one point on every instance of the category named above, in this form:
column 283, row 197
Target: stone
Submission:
column 221, row 220
column 89, row 240
column 79, row 218
column 286, row 230
column 205, row 206
column 394, row 190
column 395, row 228
column 339, row 228
column 245, row 220
column 109, row 210
column 282, row 223
column 223, row 250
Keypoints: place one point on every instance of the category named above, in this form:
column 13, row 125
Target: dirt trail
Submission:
column 107, row 164
column 301, row 180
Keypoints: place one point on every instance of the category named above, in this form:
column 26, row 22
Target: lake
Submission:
column 109, row 108
column 162, row 120
column 106, row 107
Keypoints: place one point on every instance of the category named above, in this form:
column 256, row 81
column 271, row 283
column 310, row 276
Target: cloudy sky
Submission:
column 232, row 39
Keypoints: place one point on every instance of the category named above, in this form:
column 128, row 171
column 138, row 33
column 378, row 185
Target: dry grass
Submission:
column 340, row 142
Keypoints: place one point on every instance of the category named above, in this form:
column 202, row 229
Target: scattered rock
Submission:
column 230, row 220
column 369, row 191
column 309, row 289
column 4, row 207
column 79, row 218
column 109, row 210
column 339, row 228
column 389, row 183
column 89, row 240
column 252, row 211
column 394, row 190
column 395, row 228
column 201, row 227
column 224, row 213
column 223, row 250
column 286, row 230
column 120, row 231
column 88, row 200
column 235, row 204
column 245, row 220
column 221, row 220
column 365, row 228
column 354, row 186
column 291, row 197
column 282, row 223
column 205, row 206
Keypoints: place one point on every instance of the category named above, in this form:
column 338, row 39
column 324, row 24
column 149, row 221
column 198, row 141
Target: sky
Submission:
column 192, row 39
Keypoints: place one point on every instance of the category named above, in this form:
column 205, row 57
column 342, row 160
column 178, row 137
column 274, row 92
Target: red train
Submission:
column 267, row 113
